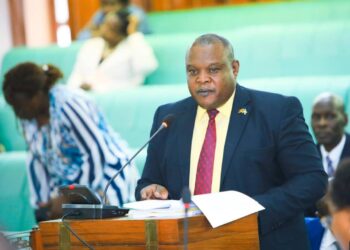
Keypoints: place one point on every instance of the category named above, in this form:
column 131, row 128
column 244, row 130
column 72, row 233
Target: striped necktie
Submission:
column 330, row 168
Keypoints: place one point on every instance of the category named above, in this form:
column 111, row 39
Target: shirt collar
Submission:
column 335, row 153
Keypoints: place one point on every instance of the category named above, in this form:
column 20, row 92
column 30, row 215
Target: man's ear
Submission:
column 345, row 119
column 235, row 67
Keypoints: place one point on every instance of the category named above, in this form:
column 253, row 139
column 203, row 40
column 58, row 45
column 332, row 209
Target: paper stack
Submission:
column 159, row 209
column 219, row 208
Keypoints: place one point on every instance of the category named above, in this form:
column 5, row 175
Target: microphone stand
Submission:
column 186, row 199
column 104, row 197
column 101, row 210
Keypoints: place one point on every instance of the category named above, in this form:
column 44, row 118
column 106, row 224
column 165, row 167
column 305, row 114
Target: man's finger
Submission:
column 161, row 192
column 148, row 192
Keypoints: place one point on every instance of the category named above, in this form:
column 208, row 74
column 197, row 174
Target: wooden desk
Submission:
column 126, row 233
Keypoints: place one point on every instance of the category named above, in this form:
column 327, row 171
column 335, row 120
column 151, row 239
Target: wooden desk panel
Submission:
column 151, row 234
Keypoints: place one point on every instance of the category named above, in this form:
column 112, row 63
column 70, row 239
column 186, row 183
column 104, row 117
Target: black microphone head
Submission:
column 168, row 120
column 186, row 195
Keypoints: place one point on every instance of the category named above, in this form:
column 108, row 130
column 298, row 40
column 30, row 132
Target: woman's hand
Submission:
column 86, row 86
column 133, row 24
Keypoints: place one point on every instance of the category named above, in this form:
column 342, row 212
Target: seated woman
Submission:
column 120, row 58
column 68, row 139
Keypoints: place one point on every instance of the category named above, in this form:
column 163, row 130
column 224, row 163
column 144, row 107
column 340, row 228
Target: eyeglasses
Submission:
column 326, row 221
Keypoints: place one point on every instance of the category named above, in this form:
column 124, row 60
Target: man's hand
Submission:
column 154, row 191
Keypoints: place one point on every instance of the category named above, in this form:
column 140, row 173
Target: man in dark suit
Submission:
column 227, row 137
column 328, row 122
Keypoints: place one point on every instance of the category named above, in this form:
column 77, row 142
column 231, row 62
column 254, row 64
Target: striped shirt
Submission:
column 76, row 146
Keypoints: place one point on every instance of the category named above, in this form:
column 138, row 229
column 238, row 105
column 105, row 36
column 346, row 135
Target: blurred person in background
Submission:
column 68, row 139
column 328, row 122
column 120, row 58
column 92, row 28
column 339, row 204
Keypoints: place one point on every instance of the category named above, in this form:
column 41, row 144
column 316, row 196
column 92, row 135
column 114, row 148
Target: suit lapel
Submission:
column 346, row 150
column 240, row 113
column 186, row 125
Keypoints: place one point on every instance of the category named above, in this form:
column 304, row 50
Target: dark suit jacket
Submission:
column 269, row 155
column 346, row 149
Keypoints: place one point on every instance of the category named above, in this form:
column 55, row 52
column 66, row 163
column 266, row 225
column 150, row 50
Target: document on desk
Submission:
column 159, row 209
column 224, row 207
column 150, row 204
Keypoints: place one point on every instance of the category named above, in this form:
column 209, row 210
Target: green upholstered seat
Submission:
column 130, row 112
column 305, row 88
column 293, row 50
column 265, row 51
column 244, row 15
column 10, row 131
column 274, row 50
column 16, row 213
column 271, row 40
column 62, row 57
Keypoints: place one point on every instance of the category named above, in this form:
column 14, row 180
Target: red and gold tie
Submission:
column 204, row 176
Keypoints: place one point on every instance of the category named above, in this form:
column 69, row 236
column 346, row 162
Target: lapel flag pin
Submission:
column 242, row 111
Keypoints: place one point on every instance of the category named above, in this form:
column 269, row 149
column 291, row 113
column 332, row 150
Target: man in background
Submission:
column 227, row 137
column 328, row 122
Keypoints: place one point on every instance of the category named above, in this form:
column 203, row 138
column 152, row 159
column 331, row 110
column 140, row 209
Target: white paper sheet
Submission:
column 224, row 207
column 159, row 209
column 149, row 204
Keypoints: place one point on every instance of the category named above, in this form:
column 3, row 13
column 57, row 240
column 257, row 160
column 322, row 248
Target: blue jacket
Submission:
column 269, row 155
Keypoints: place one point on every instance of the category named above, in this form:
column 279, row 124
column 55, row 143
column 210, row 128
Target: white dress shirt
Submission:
column 334, row 154
column 328, row 241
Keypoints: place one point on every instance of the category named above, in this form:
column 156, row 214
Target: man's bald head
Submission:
column 333, row 99
column 211, row 71
column 328, row 119
column 209, row 39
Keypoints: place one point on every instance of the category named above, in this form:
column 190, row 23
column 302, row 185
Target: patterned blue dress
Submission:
column 77, row 146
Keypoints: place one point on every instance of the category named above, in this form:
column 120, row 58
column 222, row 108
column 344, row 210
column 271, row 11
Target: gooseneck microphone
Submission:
column 165, row 124
column 93, row 209
column 84, row 204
